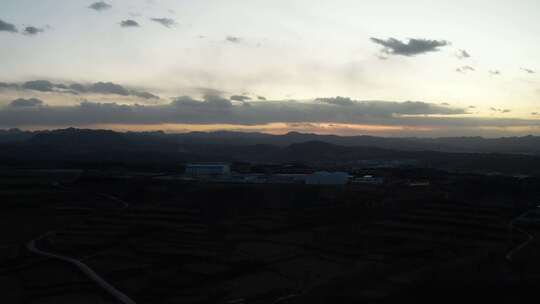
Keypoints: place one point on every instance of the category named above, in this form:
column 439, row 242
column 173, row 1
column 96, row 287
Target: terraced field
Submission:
column 175, row 255
column 361, row 246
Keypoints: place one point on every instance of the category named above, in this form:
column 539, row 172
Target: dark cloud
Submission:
column 144, row 95
column 446, row 104
column 77, row 88
column 463, row 54
column 39, row 85
column 217, row 110
column 190, row 110
column 261, row 98
column 4, row 85
column 535, row 113
column 340, row 101
column 108, row 88
column 166, row 22
column 25, row 103
column 217, row 102
column 32, row 30
column 129, row 23
column 381, row 108
column 413, row 47
column 100, row 6
column 233, row 39
column 529, row 71
column 495, row 72
column 240, row 98
column 472, row 107
column 465, row 69
column 111, row 88
column 185, row 101
column 7, row 27
column 47, row 86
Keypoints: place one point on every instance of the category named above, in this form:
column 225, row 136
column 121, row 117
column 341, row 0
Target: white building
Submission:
column 328, row 178
column 207, row 169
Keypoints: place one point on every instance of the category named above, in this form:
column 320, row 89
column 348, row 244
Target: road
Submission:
column 91, row 274
column 32, row 246
column 530, row 238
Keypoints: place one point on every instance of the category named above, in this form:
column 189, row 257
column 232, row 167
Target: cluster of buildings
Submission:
column 222, row 172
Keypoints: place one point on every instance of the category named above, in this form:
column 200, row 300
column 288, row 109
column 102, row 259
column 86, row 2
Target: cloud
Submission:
column 218, row 110
column 144, row 95
column 7, row 27
column 209, row 91
column 495, row 72
column 39, row 85
column 111, row 88
column 185, row 101
column 166, row 22
column 100, row 6
column 217, row 102
column 413, row 47
column 233, row 39
column 465, row 69
column 500, row 110
column 529, row 71
column 4, row 85
column 341, row 101
column 25, row 103
column 32, row 30
column 77, row 87
column 463, row 54
column 108, row 88
column 129, row 23
column 240, row 98
column 261, row 98
column 535, row 113
column 209, row 103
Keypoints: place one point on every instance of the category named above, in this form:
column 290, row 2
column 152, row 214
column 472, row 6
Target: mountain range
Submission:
column 78, row 147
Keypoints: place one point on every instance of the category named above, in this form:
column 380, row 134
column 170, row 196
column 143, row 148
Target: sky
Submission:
column 385, row 67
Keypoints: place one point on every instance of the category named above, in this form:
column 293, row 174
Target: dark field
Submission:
column 170, row 241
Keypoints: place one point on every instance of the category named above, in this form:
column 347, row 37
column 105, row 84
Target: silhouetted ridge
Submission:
column 80, row 138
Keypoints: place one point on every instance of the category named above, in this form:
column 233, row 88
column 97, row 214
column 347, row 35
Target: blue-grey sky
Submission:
column 478, row 58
